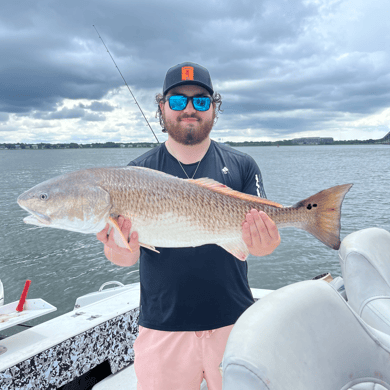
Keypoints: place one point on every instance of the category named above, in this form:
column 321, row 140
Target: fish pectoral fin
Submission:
column 151, row 247
column 122, row 241
column 119, row 237
column 237, row 248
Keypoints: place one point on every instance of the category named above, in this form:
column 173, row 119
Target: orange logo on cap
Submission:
column 187, row 73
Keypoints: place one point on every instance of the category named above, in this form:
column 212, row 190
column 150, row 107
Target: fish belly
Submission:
column 172, row 231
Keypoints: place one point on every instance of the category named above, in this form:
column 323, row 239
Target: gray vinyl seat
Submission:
column 305, row 337
column 365, row 265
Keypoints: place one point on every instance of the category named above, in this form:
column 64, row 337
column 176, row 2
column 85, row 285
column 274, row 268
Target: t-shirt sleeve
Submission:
column 253, row 181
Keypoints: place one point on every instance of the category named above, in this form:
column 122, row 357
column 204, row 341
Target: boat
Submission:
column 285, row 340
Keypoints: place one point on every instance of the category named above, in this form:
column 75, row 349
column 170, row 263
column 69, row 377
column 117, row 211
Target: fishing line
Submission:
column 126, row 84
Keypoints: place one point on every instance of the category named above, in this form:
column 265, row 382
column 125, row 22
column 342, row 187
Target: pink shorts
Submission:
column 179, row 360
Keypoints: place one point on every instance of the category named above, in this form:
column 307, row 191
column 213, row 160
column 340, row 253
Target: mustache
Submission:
column 185, row 116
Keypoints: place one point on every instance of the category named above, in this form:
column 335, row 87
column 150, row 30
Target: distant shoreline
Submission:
column 121, row 145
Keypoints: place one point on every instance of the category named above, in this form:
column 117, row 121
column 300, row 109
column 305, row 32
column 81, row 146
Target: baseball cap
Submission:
column 187, row 73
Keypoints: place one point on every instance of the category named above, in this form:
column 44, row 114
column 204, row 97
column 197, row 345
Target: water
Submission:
column 65, row 265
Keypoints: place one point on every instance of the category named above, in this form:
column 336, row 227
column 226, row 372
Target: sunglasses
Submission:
column 179, row 102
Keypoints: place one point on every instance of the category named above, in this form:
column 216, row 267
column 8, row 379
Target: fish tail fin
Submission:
column 324, row 212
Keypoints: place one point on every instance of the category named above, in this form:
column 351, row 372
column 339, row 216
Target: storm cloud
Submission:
column 284, row 68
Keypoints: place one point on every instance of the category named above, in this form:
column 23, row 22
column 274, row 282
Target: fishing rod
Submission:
column 126, row 84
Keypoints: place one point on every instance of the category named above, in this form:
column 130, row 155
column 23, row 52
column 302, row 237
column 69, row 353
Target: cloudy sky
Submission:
column 284, row 68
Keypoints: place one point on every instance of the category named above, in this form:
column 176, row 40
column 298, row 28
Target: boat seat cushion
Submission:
column 367, row 386
column 365, row 265
column 303, row 337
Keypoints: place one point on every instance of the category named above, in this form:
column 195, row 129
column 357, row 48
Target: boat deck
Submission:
column 102, row 328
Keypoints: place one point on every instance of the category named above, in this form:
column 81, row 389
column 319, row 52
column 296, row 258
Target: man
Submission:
column 191, row 297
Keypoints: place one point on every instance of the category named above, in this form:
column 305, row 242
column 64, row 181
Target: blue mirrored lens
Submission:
column 179, row 102
column 201, row 103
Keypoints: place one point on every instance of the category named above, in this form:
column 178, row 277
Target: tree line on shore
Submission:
column 74, row 145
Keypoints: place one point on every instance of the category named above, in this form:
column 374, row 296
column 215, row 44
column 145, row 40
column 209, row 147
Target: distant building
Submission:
column 312, row 140
column 34, row 146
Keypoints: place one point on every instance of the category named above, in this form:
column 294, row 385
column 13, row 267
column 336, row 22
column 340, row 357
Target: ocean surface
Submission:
column 65, row 265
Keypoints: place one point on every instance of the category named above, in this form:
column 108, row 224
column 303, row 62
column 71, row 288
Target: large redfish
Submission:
column 170, row 212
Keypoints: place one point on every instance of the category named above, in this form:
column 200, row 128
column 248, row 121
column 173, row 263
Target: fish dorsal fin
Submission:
column 225, row 190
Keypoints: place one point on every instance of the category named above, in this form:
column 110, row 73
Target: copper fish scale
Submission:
column 152, row 195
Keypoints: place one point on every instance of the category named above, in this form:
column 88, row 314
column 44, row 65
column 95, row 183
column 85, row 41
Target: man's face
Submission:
column 188, row 127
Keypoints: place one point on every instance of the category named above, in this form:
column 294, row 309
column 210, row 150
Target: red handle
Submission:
column 24, row 296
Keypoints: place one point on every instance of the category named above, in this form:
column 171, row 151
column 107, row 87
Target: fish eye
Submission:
column 43, row 196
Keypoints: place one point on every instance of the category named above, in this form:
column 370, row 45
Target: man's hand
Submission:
column 260, row 233
column 116, row 254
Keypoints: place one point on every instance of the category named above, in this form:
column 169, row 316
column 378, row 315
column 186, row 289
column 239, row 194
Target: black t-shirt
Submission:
column 201, row 288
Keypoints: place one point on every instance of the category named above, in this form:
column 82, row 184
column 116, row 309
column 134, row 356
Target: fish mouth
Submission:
column 36, row 218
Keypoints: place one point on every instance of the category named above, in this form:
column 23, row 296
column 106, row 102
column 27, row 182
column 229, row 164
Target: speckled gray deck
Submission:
column 112, row 340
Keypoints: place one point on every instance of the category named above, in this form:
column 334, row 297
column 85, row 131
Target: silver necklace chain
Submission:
column 186, row 172
column 171, row 151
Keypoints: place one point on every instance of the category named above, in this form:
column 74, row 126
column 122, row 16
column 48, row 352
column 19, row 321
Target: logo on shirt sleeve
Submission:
column 257, row 186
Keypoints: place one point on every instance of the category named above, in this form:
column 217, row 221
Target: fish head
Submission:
column 73, row 201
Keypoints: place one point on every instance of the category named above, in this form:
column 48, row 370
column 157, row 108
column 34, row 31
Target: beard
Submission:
column 192, row 133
